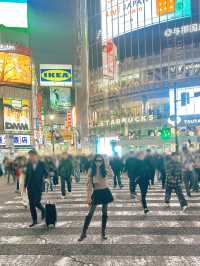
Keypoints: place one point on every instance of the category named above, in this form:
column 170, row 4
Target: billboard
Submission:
column 14, row 13
column 60, row 99
column 15, row 65
column 109, row 56
column 187, row 101
column 16, row 114
column 122, row 16
column 56, row 75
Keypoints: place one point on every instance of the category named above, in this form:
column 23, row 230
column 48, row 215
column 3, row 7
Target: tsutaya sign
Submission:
column 126, row 120
column 176, row 31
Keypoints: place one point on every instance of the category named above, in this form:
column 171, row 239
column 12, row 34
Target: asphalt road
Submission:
column 164, row 237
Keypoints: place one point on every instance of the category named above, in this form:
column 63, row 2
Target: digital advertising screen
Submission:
column 13, row 13
column 15, row 68
column 187, row 101
column 122, row 16
column 104, row 146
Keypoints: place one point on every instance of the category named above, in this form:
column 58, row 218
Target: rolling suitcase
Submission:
column 50, row 210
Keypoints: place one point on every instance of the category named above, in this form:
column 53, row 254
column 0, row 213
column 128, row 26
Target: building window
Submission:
column 185, row 98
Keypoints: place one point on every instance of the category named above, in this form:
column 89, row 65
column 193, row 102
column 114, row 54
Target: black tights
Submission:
column 93, row 208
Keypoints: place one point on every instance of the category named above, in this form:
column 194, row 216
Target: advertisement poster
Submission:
column 15, row 65
column 109, row 56
column 56, row 75
column 60, row 99
column 14, row 13
column 16, row 114
column 122, row 16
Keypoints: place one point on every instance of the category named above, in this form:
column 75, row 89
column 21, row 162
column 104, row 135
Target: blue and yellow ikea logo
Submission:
column 56, row 75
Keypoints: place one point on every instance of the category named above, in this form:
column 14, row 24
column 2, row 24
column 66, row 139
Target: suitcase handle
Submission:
column 46, row 189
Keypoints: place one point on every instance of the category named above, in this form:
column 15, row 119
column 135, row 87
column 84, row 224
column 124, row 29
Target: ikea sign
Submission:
column 56, row 75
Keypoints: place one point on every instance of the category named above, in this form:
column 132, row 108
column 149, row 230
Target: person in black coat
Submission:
column 150, row 164
column 132, row 172
column 137, row 168
column 65, row 172
column 117, row 166
column 34, row 182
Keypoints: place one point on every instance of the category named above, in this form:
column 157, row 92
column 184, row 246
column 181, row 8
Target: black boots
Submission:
column 33, row 224
column 103, row 228
column 85, row 228
column 87, row 223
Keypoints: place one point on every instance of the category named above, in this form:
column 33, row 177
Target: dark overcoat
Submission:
column 34, row 181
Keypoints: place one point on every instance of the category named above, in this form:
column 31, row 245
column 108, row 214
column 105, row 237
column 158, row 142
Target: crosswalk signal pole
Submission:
column 176, row 123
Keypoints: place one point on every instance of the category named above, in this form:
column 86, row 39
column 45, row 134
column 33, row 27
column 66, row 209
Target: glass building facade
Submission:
column 143, row 53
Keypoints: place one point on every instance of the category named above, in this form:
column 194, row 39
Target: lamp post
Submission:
column 52, row 117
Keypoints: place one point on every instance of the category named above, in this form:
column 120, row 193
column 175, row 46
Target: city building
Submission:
column 144, row 61
column 16, row 127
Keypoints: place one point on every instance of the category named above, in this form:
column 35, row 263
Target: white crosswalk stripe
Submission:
column 164, row 237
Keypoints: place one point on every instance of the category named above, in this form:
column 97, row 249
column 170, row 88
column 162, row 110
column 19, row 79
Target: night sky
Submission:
column 52, row 30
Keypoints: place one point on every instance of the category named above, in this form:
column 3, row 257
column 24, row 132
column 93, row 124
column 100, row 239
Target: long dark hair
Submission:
column 102, row 168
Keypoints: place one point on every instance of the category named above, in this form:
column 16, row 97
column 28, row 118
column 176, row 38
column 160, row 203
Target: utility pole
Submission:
column 53, row 140
column 176, row 122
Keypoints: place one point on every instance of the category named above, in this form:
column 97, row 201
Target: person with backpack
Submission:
column 65, row 172
column 101, row 195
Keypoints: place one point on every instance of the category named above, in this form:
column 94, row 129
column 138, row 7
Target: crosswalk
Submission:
column 164, row 237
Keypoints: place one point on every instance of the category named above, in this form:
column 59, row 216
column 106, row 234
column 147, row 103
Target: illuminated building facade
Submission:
column 141, row 53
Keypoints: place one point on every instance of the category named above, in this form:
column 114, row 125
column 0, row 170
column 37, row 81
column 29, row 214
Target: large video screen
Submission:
column 15, row 68
column 104, row 146
column 187, row 101
column 122, row 16
column 13, row 13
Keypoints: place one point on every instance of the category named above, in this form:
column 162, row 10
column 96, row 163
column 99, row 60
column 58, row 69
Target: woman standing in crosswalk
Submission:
column 101, row 195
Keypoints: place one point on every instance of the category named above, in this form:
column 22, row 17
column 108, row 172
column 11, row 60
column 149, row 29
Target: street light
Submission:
column 52, row 117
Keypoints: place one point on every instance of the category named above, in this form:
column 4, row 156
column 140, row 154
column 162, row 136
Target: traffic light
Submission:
column 165, row 133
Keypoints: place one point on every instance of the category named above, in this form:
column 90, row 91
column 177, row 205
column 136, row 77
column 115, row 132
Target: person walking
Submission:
column 160, row 167
column 137, row 169
column 101, row 195
column 130, row 168
column 117, row 166
column 34, row 182
column 76, row 168
column 22, row 172
column 150, row 164
column 174, row 180
column 188, row 171
column 52, row 172
column 65, row 171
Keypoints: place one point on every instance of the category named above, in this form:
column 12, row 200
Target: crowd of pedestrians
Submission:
column 176, row 172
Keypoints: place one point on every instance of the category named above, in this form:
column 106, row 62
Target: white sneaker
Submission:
column 168, row 205
column 63, row 197
column 184, row 208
